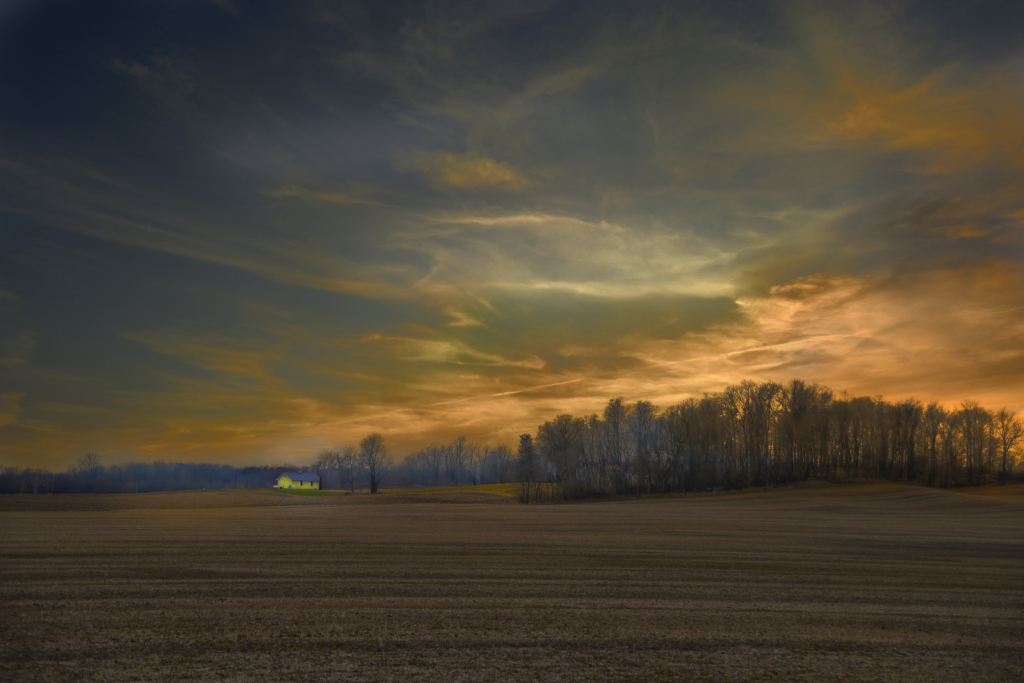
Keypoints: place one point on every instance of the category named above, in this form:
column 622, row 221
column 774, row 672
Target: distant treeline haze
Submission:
column 88, row 475
column 749, row 435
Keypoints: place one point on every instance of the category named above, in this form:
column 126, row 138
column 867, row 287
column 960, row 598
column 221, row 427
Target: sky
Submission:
column 242, row 232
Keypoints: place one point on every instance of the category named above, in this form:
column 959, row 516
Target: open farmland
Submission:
column 871, row 582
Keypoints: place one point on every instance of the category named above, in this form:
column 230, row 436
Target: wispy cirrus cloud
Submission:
column 9, row 408
column 223, row 355
column 464, row 171
column 942, row 335
column 333, row 197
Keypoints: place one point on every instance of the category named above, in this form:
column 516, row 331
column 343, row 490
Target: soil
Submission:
column 848, row 583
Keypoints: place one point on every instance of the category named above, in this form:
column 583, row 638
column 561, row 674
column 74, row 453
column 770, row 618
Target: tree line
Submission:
column 89, row 475
column 765, row 434
column 364, row 466
column 748, row 435
column 367, row 465
column 456, row 463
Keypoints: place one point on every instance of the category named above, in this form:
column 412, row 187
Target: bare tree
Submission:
column 474, row 462
column 348, row 466
column 455, row 458
column 1009, row 431
column 615, row 441
column 326, row 462
column 527, row 466
column 87, row 472
column 935, row 417
column 434, row 458
column 641, row 424
column 373, row 454
column 88, row 462
column 973, row 421
column 502, row 464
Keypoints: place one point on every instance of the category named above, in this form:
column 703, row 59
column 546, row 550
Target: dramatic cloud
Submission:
column 246, row 233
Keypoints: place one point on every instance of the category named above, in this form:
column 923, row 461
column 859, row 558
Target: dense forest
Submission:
column 748, row 435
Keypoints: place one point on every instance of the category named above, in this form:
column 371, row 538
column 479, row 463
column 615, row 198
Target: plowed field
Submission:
column 859, row 583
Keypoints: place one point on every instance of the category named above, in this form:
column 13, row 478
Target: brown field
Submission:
column 853, row 583
column 234, row 498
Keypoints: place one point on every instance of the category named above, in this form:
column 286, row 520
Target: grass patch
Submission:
column 309, row 492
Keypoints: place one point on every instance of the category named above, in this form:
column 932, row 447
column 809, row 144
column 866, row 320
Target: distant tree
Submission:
column 373, row 454
column 88, row 472
column 433, row 456
column 344, row 463
column 349, row 467
column 500, row 464
column 526, row 459
column 907, row 418
column 560, row 447
column 325, row 463
column 474, row 462
column 1009, row 432
column 38, row 480
column 88, row 462
column 641, row 424
column 456, row 455
column 615, row 414
column 935, row 418
column 973, row 422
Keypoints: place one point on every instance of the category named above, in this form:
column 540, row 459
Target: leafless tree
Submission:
column 374, row 456
column 973, row 421
column 500, row 464
column 1009, row 432
column 455, row 459
column 326, row 463
column 349, row 467
column 434, row 458
column 527, row 461
column 615, row 415
column 934, row 419
column 87, row 462
column 641, row 431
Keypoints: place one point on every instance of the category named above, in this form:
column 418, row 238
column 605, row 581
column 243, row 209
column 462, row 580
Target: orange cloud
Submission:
column 956, row 125
column 942, row 335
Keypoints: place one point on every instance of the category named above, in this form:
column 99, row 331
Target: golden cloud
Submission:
column 960, row 127
column 874, row 97
column 942, row 335
column 463, row 170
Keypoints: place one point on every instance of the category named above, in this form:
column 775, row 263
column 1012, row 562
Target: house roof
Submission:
column 299, row 476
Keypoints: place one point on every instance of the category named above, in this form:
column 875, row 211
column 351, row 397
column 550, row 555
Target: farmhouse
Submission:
column 298, row 480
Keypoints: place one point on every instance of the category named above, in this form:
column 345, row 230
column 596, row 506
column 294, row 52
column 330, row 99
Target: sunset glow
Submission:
column 236, row 233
